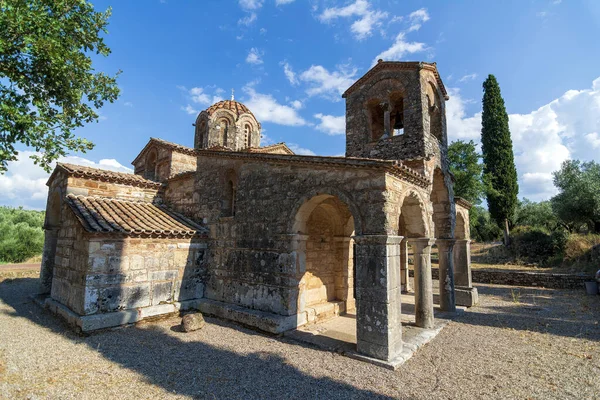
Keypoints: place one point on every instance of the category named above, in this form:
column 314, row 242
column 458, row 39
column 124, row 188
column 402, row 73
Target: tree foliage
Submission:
column 467, row 171
column 21, row 234
column 578, row 202
column 499, row 165
column 483, row 228
column 48, row 86
column 536, row 215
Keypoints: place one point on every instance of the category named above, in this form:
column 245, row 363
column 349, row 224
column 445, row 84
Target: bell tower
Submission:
column 396, row 111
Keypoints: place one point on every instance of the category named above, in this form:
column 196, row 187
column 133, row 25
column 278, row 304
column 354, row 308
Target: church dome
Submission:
column 235, row 106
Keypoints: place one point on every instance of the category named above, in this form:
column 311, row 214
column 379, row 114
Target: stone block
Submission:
column 162, row 292
column 192, row 322
column 467, row 297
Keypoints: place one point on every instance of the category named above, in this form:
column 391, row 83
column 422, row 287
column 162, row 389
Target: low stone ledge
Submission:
column 268, row 322
column 521, row 278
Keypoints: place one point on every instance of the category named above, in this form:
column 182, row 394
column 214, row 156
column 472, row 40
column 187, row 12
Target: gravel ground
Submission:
column 520, row 343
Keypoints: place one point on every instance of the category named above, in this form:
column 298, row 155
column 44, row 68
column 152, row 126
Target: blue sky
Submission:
column 290, row 60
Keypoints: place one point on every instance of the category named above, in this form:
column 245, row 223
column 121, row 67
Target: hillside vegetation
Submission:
column 21, row 234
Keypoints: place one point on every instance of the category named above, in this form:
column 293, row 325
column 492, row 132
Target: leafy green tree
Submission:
column 483, row 229
column 465, row 166
column 48, row 86
column 21, row 234
column 499, row 168
column 536, row 215
column 578, row 201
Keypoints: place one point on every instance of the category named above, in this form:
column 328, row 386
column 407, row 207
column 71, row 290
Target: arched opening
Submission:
column 412, row 225
column 397, row 114
column 461, row 229
column 200, row 134
column 435, row 112
column 248, row 134
column 223, row 127
column 376, row 112
column 51, row 228
column 325, row 227
column 150, row 169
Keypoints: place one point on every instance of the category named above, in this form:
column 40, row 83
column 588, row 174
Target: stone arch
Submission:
column 51, row 229
column 223, row 128
column 462, row 229
column 324, row 228
column 306, row 203
column 443, row 206
column 414, row 221
column 250, row 129
column 150, row 166
column 201, row 130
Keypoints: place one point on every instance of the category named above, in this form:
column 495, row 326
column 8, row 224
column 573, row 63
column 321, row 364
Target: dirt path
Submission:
column 520, row 343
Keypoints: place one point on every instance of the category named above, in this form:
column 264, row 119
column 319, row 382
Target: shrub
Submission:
column 536, row 244
column 21, row 234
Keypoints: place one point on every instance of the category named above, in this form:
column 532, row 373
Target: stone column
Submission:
column 48, row 256
column 423, row 282
column 387, row 132
column 404, row 277
column 465, row 293
column 378, row 326
column 446, row 268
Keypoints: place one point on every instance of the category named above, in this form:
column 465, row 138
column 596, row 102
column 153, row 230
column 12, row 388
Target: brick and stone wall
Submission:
column 124, row 273
column 95, row 187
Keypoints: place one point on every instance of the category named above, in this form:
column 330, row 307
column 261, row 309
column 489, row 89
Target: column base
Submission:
column 466, row 296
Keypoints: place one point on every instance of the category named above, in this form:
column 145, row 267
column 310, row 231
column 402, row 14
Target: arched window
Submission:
column 150, row 172
column 228, row 202
column 248, row 134
column 201, row 133
column 397, row 114
column 376, row 111
column 223, row 127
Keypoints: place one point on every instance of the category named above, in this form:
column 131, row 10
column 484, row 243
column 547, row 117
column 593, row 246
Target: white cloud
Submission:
column 248, row 19
column 251, row 4
column 328, row 84
column 469, row 77
column 282, row 2
column 254, row 56
column 399, row 49
column 565, row 128
column 362, row 27
column 331, row 124
column 289, row 73
column 300, row 150
column 593, row 139
column 24, row 184
column 297, row 104
column 199, row 95
column 417, row 18
column 266, row 109
column 128, row 104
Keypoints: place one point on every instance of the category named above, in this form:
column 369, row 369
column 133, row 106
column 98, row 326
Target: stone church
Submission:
column 264, row 237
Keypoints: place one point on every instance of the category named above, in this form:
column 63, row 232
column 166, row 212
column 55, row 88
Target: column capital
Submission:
column 377, row 239
column 421, row 243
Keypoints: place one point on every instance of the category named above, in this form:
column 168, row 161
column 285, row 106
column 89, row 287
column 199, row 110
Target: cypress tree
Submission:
column 499, row 169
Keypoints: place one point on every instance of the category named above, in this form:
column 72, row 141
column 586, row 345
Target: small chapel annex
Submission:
column 265, row 237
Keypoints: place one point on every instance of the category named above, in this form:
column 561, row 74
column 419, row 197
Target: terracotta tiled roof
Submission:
column 231, row 105
column 398, row 65
column 104, row 175
column 270, row 149
column 115, row 216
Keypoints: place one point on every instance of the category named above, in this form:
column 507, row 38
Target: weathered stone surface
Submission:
column 291, row 239
column 192, row 322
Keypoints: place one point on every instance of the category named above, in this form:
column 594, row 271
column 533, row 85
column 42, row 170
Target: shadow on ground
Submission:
column 189, row 368
column 566, row 313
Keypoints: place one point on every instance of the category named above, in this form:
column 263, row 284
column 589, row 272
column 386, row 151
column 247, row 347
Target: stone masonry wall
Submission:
column 254, row 263
column 92, row 187
column 70, row 263
column 128, row 273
